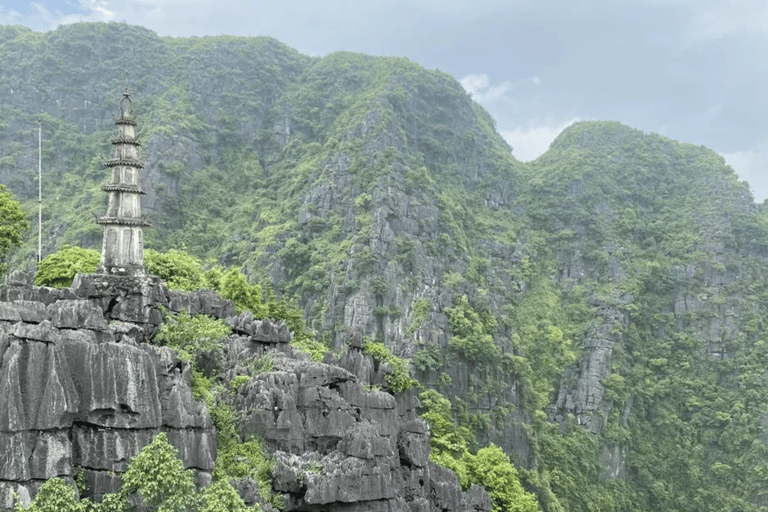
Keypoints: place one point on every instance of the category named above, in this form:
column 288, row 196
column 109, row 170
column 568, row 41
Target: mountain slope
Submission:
column 598, row 313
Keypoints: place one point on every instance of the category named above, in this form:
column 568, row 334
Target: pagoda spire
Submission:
column 122, row 249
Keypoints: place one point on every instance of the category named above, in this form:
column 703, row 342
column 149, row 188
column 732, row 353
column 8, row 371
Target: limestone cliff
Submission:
column 82, row 391
column 601, row 313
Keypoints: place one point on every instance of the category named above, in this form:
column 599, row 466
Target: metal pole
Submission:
column 39, row 190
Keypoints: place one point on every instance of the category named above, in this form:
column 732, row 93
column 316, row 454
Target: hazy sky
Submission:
column 693, row 70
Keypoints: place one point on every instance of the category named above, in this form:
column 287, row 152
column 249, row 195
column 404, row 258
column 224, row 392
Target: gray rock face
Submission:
column 342, row 447
column 582, row 396
column 81, row 390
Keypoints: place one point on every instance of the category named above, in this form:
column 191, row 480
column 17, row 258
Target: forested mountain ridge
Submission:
column 600, row 313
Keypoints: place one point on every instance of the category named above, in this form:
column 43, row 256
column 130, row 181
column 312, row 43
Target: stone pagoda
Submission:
column 122, row 250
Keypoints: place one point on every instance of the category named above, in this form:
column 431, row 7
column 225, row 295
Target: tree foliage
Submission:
column 489, row 467
column 59, row 269
column 189, row 334
column 156, row 478
column 399, row 379
column 55, row 495
column 492, row 469
column 13, row 222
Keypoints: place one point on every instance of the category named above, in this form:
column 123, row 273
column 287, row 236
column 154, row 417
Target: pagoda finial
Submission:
column 126, row 104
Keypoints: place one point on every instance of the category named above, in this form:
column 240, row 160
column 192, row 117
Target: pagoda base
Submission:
column 122, row 270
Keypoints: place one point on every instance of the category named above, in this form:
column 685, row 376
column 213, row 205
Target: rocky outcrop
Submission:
column 341, row 446
column 82, row 392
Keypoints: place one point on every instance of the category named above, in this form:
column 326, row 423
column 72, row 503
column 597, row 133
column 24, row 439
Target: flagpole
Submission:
column 39, row 190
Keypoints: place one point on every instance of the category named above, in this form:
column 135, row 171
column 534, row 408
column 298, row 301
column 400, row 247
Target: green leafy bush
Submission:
column 492, row 469
column 55, row 496
column 314, row 348
column 471, row 332
column 179, row 270
column 237, row 458
column 187, row 334
column 59, row 269
column 234, row 286
column 448, row 440
column 220, row 496
column 399, row 380
column 156, row 477
column 13, row 223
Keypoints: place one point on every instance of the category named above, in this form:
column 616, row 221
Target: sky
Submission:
column 692, row 70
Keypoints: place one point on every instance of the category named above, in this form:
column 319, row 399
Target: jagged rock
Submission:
column 20, row 278
column 445, row 489
column 98, row 483
column 206, row 302
column 358, row 363
column 268, row 331
column 77, row 314
column 30, row 311
column 36, row 388
column 24, row 490
column 117, row 385
column 28, row 455
column 264, row 331
column 79, row 391
column 242, row 323
column 413, row 444
column 584, row 397
column 364, row 441
column 356, row 339
column 129, row 299
column 179, row 409
column 342, row 479
column 44, row 331
column 269, row 403
column 108, row 450
column 125, row 331
column 9, row 312
column 375, row 406
column 41, row 294
column 477, row 499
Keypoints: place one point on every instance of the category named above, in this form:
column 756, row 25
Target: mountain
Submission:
column 599, row 313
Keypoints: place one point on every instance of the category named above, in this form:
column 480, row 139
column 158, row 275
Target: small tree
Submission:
column 58, row 269
column 13, row 222
column 222, row 497
column 156, row 478
column 55, row 496
column 492, row 469
column 179, row 270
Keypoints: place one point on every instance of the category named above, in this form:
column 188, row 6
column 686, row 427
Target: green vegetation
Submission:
column 399, row 379
column 471, row 334
column 619, row 263
column 185, row 272
column 180, row 270
column 155, row 480
column 12, row 225
column 55, row 496
column 492, row 469
column 189, row 334
column 59, row 269
column 489, row 467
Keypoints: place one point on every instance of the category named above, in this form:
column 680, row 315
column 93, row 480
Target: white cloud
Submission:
column 530, row 142
column 42, row 16
column 719, row 19
column 752, row 167
column 482, row 91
